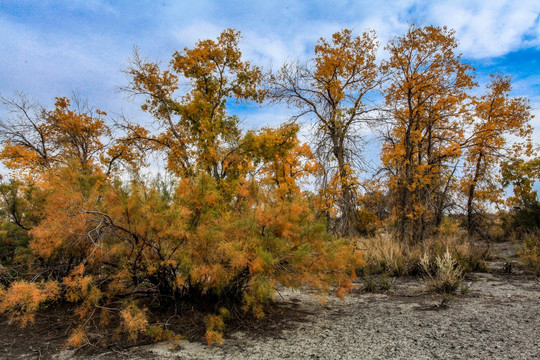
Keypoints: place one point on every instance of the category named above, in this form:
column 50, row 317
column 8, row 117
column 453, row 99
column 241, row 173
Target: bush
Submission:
column 231, row 224
column 22, row 299
column 522, row 219
column 369, row 284
column 443, row 273
column 529, row 251
column 366, row 223
column 21, row 206
column 468, row 254
column 14, row 242
column 199, row 246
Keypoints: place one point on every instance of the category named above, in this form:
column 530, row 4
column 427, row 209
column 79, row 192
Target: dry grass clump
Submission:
column 443, row 272
column 468, row 254
column 529, row 251
column 384, row 253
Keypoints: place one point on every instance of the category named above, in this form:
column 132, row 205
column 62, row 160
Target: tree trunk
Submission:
column 471, row 226
column 346, row 201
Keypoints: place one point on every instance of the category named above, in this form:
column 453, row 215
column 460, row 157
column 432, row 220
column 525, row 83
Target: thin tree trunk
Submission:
column 471, row 226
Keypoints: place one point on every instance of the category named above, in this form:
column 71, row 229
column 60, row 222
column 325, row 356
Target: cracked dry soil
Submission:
column 499, row 318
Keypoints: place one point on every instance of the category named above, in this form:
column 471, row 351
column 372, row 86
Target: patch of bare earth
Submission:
column 497, row 318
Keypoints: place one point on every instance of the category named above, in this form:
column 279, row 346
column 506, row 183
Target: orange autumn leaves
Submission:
column 444, row 144
column 231, row 223
column 496, row 117
column 197, row 133
column 22, row 299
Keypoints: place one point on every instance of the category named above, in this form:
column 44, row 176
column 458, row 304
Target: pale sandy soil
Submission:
column 499, row 318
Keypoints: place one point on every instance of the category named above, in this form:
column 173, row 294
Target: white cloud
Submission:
column 489, row 29
column 267, row 51
column 199, row 30
column 45, row 65
column 273, row 33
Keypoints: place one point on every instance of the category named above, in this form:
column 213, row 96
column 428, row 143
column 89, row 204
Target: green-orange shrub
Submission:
column 23, row 299
column 220, row 241
column 233, row 224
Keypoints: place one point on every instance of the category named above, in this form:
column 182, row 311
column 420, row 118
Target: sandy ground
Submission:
column 497, row 318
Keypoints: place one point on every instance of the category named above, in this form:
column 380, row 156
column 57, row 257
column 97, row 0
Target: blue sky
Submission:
column 54, row 48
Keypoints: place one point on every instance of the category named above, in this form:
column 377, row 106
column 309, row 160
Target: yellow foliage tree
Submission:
column 196, row 131
column 496, row 116
column 334, row 90
column 426, row 99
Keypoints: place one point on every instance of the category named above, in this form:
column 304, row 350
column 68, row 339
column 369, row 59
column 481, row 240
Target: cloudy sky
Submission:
column 55, row 48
